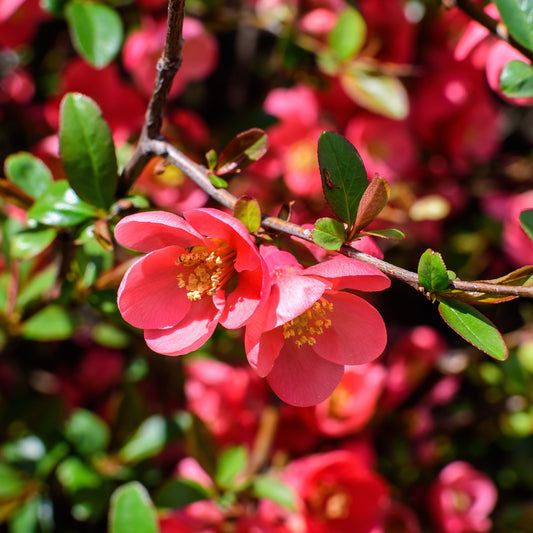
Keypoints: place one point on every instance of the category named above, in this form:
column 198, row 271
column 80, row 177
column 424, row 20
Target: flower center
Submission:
column 205, row 270
column 311, row 323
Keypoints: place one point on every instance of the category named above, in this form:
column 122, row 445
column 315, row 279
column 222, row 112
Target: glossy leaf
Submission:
column 148, row 440
column 132, row 510
column 96, row 31
column 273, row 489
column 29, row 243
column 242, row 150
column 87, row 150
column 28, row 172
column 518, row 17
column 60, row 206
column 348, row 35
column 390, row 233
column 384, row 95
column 516, row 79
column 373, row 201
column 432, row 273
column 526, row 221
column 231, row 463
column 329, row 233
column 474, row 327
column 248, row 211
column 49, row 324
column 344, row 178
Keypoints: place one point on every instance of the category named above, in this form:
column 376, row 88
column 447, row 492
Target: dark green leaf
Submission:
column 348, row 35
column 248, row 211
column 526, row 221
column 273, row 489
column 50, row 324
column 432, row 273
column 95, row 30
column 231, row 462
column 518, row 17
column 87, row 432
column 178, row 493
column 329, row 233
column 391, row 233
column 31, row 242
column 132, row 510
column 148, row 440
column 344, row 178
column 516, row 79
column 242, row 150
column 87, row 149
column 380, row 94
column 474, row 327
column 60, row 206
column 28, row 172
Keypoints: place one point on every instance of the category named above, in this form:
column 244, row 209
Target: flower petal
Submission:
column 152, row 230
column 262, row 349
column 349, row 273
column 149, row 296
column 301, row 377
column 189, row 334
column 357, row 334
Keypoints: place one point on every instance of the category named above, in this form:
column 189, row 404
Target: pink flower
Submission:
column 462, row 499
column 339, row 492
column 309, row 329
column 197, row 272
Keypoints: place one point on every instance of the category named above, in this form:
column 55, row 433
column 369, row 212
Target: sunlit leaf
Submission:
column 373, row 201
column 329, row 233
column 274, row 489
column 516, row 79
column 231, row 462
column 31, row 242
column 248, row 211
column 432, row 273
column 390, row 233
column 348, row 35
column 132, row 510
column 518, row 17
column 242, row 150
column 28, row 172
column 49, row 324
column 148, row 440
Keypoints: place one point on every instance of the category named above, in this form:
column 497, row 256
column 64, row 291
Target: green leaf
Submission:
column 132, row 510
column 231, row 462
column 179, row 492
column 75, row 475
column 516, row 79
column 344, row 178
column 211, row 158
column 28, row 172
column 526, row 221
column 87, row 432
column 148, row 440
column 474, row 327
column 373, row 201
column 518, row 17
column 242, row 150
column 11, row 481
column 219, row 183
column 390, row 233
column 26, row 518
column 31, row 242
column 50, row 324
column 384, row 95
column 110, row 336
column 248, row 211
column 273, row 489
column 348, row 35
column 87, row 150
column 60, row 206
column 96, row 31
column 432, row 273
column 37, row 286
column 329, row 233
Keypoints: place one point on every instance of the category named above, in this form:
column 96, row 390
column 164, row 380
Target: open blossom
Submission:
column 309, row 329
column 198, row 271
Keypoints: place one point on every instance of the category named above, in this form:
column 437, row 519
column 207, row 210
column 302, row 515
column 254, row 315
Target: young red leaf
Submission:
column 242, row 151
column 374, row 199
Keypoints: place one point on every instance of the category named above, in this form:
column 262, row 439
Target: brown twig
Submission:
column 496, row 27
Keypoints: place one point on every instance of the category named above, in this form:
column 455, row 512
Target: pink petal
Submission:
column 349, row 273
column 149, row 296
column 358, row 334
column 263, row 350
column 152, row 230
column 302, row 378
column 189, row 334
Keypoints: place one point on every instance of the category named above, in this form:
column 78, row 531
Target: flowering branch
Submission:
column 150, row 144
column 496, row 27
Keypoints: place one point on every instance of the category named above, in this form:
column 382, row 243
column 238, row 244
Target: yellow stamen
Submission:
column 311, row 323
column 205, row 270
